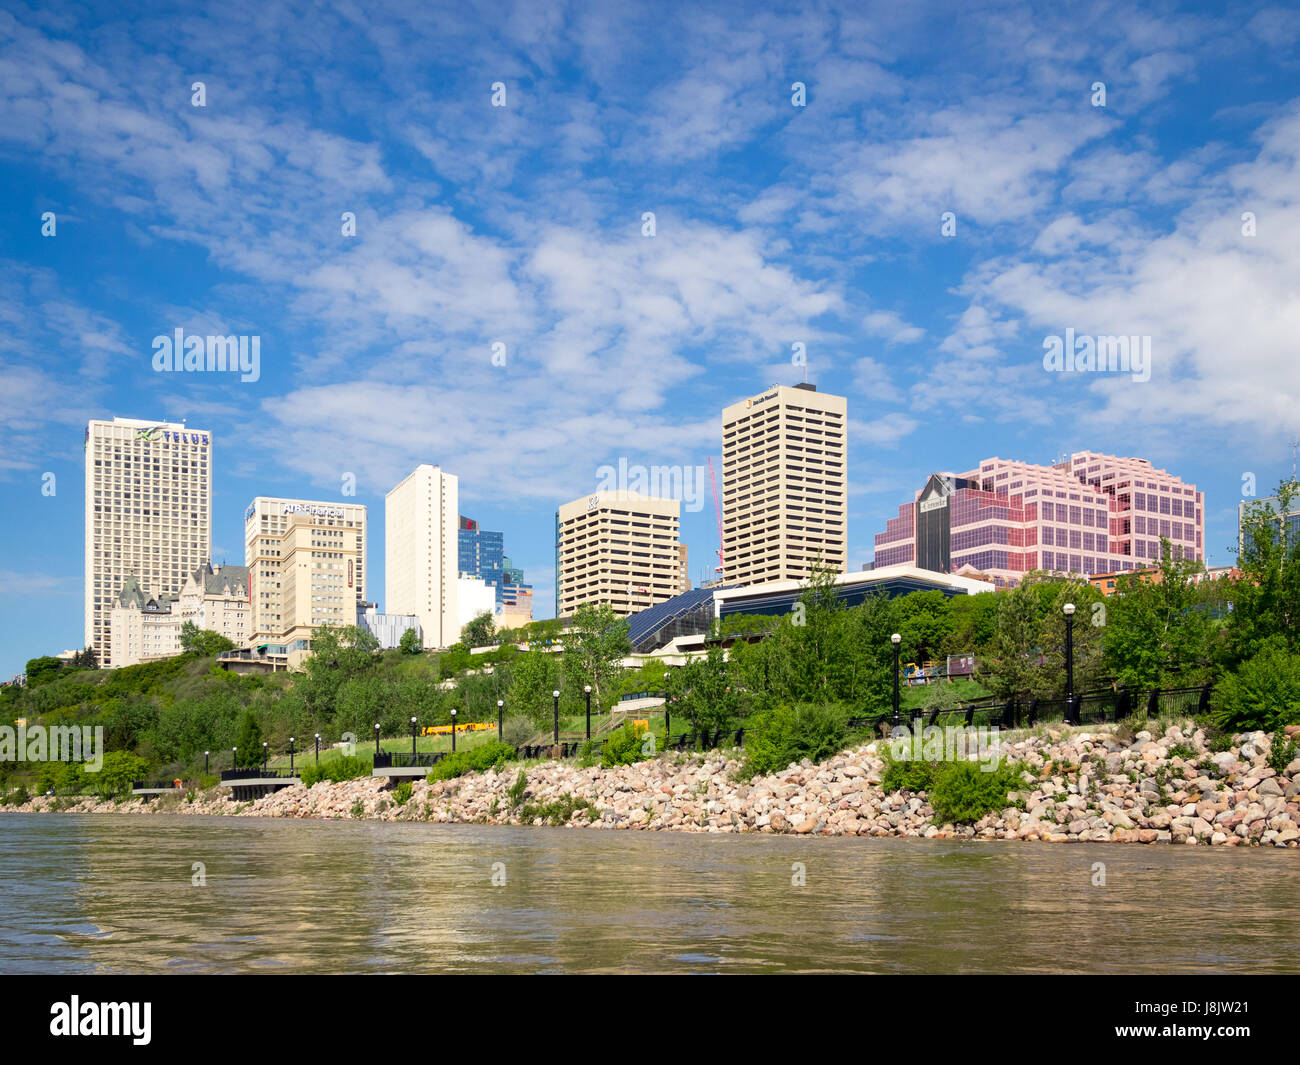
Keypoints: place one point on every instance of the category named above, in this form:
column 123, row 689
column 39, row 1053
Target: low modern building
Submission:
column 474, row 596
column 1288, row 518
column 693, row 613
column 1089, row 514
column 388, row 629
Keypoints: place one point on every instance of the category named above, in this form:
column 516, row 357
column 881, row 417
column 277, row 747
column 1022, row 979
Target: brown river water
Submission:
column 116, row 893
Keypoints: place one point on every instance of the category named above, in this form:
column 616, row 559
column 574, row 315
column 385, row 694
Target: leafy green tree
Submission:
column 1264, row 693
column 118, row 773
column 43, row 669
column 1153, row 632
column 1011, row 665
column 203, row 643
column 702, row 693
column 594, row 645
column 533, row 676
column 249, row 741
column 480, row 630
column 410, row 643
column 337, row 656
column 1268, row 594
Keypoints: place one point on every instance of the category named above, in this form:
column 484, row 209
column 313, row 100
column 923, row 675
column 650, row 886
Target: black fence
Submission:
column 408, row 759
column 257, row 773
column 170, row 785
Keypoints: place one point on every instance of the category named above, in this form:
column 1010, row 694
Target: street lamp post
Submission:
column 555, row 696
column 501, row 709
column 1069, row 663
column 291, row 756
column 205, row 763
column 412, row 739
column 234, row 757
column 318, row 748
column 587, row 689
column 453, row 730
column 264, row 756
column 376, row 737
column 896, row 639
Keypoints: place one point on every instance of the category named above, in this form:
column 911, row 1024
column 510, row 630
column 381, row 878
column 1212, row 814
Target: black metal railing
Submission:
column 408, row 759
column 257, row 773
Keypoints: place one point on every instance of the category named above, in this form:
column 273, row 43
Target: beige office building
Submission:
column 148, row 513
column 308, row 566
column 784, row 485
column 422, row 552
column 617, row 548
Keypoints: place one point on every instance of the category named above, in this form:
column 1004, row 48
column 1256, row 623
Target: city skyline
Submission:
column 371, row 258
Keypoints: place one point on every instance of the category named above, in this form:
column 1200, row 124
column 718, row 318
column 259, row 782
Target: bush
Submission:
column 626, row 745
column 17, row 797
column 517, row 730
column 907, row 774
column 1264, row 693
column 402, row 793
column 336, row 770
column 1282, row 752
column 118, row 772
column 786, row 734
column 476, row 760
column 207, row 780
column 963, row 792
column 515, row 793
column 558, row 811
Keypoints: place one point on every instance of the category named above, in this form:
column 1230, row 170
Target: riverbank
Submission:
column 1084, row 784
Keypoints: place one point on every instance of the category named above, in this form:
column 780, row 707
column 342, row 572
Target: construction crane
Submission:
column 717, row 509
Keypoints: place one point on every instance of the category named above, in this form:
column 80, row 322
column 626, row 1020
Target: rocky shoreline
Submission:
column 1080, row 785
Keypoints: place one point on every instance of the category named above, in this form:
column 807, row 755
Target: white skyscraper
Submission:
column 422, row 552
column 148, row 513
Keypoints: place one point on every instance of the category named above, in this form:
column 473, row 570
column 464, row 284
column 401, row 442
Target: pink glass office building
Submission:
column 1092, row 513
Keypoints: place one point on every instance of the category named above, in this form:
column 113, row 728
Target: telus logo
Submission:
column 102, row 1018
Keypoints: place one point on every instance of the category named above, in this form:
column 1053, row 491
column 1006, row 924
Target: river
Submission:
column 116, row 893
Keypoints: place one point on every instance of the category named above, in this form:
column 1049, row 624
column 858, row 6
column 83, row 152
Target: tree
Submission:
column 479, row 632
column 533, row 676
column 337, row 656
column 120, row 770
column 1268, row 594
column 594, row 645
column 43, row 669
column 410, row 643
column 1264, row 693
column 702, row 692
column 1154, row 632
column 248, row 741
column 202, row 643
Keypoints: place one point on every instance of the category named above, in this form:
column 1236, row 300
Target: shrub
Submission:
column 907, row 774
column 1184, row 751
column 786, row 734
column 207, row 780
column 626, row 745
column 1264, row 693
column 358, row 809
column 17, row 797
column 515, row 793
column 1282, row 752
column 517, row 730
column 116, row 775
column 479, row 759
column 402, row 793
column 558, row 811
column 963, row 792
column 336, row 770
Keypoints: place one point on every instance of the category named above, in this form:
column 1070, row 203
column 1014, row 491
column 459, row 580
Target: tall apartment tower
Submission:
column 784, row 485
column 617, row 548
column 307, row 566
column 422, row 552
column 148, row 513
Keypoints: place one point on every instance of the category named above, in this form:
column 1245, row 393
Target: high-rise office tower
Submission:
column 617, row 548
column 307, row 561
column 481, row 554
column 422, row 552
column 148, row 513
column 784, row 485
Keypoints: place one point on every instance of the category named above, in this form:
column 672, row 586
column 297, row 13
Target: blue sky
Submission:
column 774, row 225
